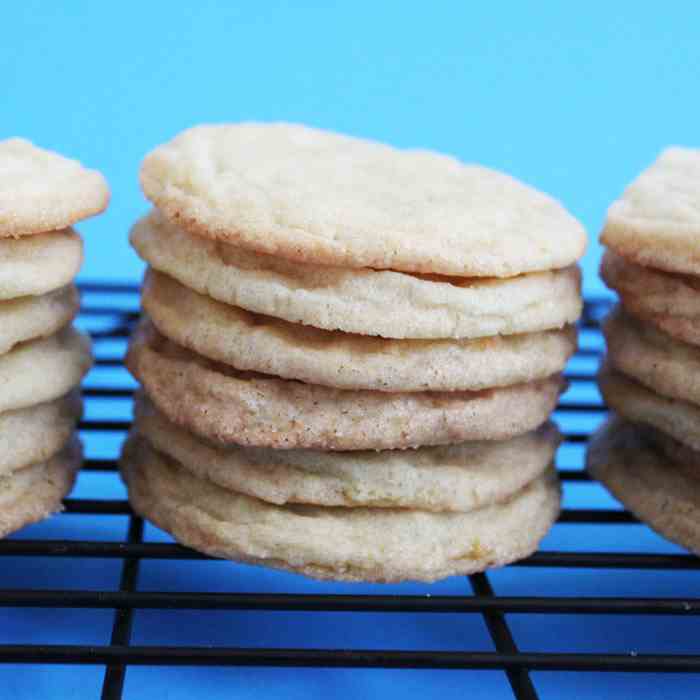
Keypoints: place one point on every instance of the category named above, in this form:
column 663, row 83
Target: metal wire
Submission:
column 116, row 657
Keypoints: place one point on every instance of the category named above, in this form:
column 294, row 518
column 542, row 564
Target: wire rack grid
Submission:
column 111, row 320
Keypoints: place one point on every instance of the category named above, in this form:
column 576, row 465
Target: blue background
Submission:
column 572, row 98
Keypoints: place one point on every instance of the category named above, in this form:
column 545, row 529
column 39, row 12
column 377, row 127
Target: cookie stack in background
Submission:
column 42, row 357
column 349, row 354
column 648, row 454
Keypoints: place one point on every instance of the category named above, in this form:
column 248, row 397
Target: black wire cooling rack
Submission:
column 112, row 320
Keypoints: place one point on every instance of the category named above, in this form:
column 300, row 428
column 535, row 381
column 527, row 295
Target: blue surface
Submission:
column 572, row 98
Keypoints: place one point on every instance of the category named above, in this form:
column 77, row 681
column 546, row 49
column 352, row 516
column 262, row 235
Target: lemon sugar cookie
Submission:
column 249, row 341
column 367, row 302
column 647, row 453
column 318, row 197
column 349, row 354
column 43, row 191
column 656, row 222
column 43, row 358
column 342, row 544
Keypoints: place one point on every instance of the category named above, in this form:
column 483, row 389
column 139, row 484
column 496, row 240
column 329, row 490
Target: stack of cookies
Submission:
column 648, row 454
column 349, row 356
column 42, row 357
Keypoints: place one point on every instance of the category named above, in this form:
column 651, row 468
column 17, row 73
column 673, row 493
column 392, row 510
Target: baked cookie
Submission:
column 342, row 544
column 646, row 482
column 646, row 291
column 26, row 318
column 639, row 404
column 656, row 222
column 667, row 366
column 218, row 402
column 683, row 458
column 43, row 370
column 39, row 264
column 35, row 492
column 458, row 477
column 249, row 341
column 35, row 434
column 368, row 302
column 43, row 191
column 318, row 197
column 671, row 302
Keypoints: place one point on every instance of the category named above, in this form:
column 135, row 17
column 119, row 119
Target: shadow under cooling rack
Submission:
column 109, row 313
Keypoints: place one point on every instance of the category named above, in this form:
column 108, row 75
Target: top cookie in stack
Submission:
column 649, row 455
column 42, row 357
column 312, row 297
